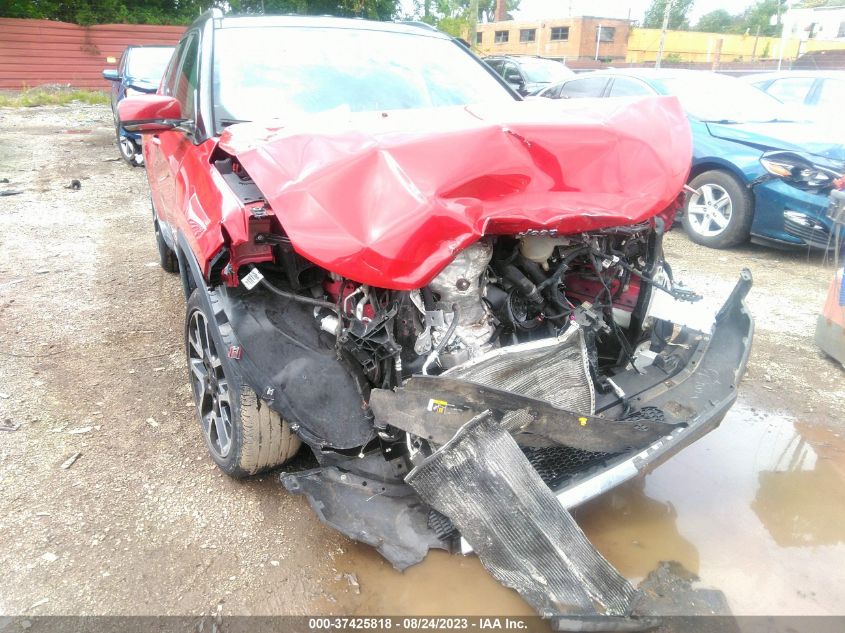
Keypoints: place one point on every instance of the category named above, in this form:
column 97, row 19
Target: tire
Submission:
column 243, row 435
column 127, row 149
column 166, row 257
column 719, row 214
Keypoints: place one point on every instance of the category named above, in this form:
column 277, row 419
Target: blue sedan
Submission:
column 139, row 71
column 756, row 173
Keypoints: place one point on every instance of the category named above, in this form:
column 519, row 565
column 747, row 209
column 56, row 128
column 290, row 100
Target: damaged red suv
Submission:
column 456, row 299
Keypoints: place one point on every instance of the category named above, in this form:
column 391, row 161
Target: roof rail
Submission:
column 419, row 24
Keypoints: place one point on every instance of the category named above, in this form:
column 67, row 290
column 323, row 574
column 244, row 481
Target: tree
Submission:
column 452, row 16
column 87, row 12
column 759, row 15
column 677, row 15
column 718, row 21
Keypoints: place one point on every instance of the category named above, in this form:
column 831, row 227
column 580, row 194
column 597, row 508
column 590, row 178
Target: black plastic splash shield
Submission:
column 386, row 516
column 483, row 482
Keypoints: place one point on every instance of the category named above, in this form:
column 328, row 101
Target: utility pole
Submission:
column 473, row 22
column 663, row 33
column 782, row 43
column 598, row 41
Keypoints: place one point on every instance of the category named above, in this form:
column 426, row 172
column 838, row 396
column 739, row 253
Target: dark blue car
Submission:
column 139, row 71
column 758, row 172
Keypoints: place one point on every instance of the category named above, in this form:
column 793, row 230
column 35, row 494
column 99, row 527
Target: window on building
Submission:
column 501, row 37
column 841, row 30
column 527, row 35
column 560, row 33
column 478, row 38
column 606, row 34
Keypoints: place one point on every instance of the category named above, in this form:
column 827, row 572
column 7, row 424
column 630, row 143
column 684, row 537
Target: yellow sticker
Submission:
column 583, row 421
column 437, row 406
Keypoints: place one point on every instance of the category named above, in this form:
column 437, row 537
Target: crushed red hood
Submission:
column 388, row 198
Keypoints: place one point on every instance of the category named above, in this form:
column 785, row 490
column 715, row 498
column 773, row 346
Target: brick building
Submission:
column 561, row 38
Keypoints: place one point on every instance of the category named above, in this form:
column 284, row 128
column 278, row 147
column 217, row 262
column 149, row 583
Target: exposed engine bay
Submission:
column 500, row 291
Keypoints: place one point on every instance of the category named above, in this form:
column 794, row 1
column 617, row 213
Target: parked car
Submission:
column 139, row 71
column 390, row 257
column 526, row 74
column 756, row 171
column 817, row 95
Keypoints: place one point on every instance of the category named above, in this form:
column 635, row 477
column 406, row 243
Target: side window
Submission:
column 185, row 87
column 171, row 72
column 552, row 93
column 496, row 64
column 581, row 88
column 512, row 74
column 121, row 66
column 832, row 93
column 625, row 87
column 791, row 89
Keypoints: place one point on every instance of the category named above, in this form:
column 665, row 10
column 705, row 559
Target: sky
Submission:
column 536, row 9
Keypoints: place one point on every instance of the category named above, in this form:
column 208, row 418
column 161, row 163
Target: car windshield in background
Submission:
column 544, row 71
column 275, row 72
column 148, row 64
column 716, row 98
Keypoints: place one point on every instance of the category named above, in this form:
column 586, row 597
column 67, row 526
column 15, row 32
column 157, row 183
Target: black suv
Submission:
column 527, row 74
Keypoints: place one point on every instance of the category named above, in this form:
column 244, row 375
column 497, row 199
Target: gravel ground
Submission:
column 93, row 368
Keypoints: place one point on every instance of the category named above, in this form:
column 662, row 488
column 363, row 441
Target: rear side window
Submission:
column 496, row 64
column 512, row 73
column 553, row 92
column 625, row 87
column 791, row 89
column 581, row 88
column 832, row 93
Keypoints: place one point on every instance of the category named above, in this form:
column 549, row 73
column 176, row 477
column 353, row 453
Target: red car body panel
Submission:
column 388, row 199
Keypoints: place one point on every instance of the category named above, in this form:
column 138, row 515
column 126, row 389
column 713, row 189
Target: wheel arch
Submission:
column 711, row 164
column 189, row 269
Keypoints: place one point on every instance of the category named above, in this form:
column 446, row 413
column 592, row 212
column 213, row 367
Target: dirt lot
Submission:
column 91, row 363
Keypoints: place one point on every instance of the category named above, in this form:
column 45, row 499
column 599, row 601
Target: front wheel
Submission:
column 128, row 150
column 720, row 211
column 243, row 435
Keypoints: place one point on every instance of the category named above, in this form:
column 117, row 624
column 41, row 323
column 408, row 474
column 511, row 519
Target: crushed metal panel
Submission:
column 379, row 515
column 482, row 481
column 555, row 370
column 436, row 407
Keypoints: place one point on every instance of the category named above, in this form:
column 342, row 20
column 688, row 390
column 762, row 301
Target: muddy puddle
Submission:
column 756, row 509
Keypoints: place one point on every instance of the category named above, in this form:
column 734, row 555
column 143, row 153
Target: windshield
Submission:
column 148, row 64
column 717, row 98
column 544, row 71
column 274, row 72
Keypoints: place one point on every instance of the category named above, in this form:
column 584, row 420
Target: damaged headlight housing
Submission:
column 800, row 171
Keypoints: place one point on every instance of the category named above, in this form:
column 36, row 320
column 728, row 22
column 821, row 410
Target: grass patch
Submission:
column 45, row 96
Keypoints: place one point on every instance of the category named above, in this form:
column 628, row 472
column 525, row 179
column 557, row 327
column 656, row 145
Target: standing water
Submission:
column 756, row 509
